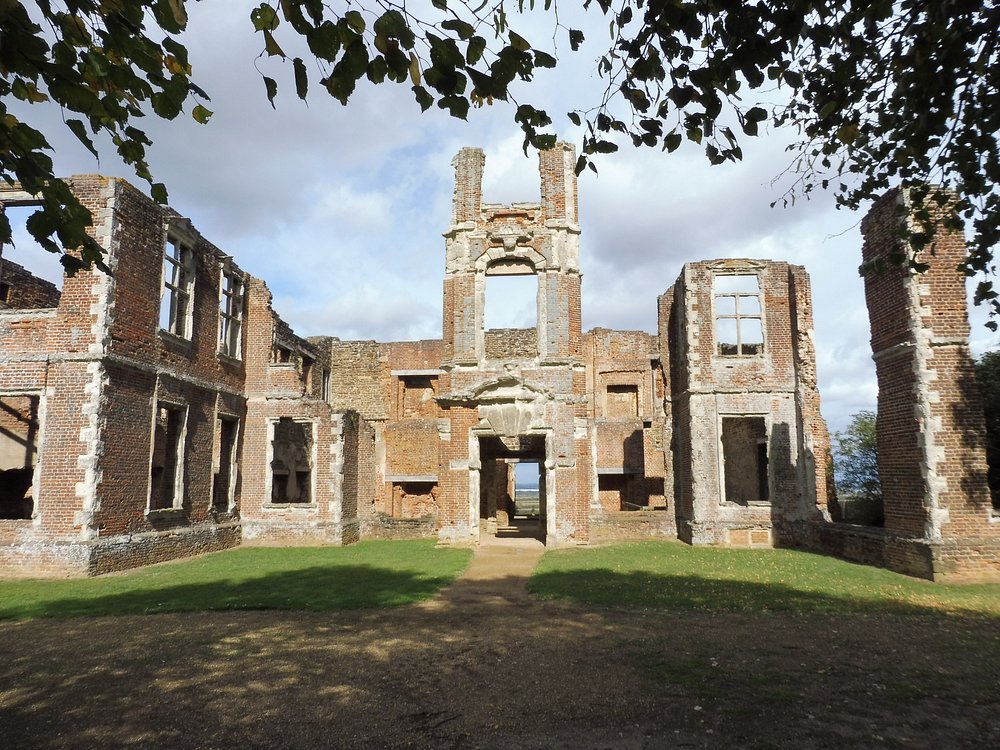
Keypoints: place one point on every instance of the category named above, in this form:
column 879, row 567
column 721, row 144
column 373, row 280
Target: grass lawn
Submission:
column 671, row 575
column 367, row 574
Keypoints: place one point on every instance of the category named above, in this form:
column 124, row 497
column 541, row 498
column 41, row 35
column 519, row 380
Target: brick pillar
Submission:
column 931, row 433
column 468, row 197
column 557, row 167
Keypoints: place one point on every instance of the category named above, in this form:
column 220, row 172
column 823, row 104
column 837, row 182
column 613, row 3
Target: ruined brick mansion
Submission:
column 165, row 409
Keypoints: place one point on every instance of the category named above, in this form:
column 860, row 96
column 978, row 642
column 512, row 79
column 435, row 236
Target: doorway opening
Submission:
column 512, row 487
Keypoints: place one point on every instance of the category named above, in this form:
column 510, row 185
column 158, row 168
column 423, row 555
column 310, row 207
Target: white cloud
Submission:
column 341, row 209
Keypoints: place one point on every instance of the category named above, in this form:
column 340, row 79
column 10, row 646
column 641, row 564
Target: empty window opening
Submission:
column 307, row 368
column 18, row 451
column 291, row 466
column 622, row 402
column 178, row 287
column 744, row 455
column 281, row 355
column 511, row 302
column 738, row 327
column 325, row 388
column 224, row 462
column 231, row 314
column 414, row 499
column 417, row 396
column 25, row 260
column 167, row 464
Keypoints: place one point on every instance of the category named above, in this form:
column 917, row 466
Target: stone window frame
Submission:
column 232, row 301
column 234, row 466
column 313, row 469
column 500, row 261
column 180, row 263
column 177, row 503
column 768, row 427
column 325, row 385
column 737, row 316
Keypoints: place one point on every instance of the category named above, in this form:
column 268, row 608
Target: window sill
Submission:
column 278, row 506
column 227, row 359
column 164, row 513
column 176, row 342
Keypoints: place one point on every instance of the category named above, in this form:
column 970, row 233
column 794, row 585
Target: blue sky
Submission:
column 341, row 209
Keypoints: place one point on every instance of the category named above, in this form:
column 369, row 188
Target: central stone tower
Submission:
column 513, row 395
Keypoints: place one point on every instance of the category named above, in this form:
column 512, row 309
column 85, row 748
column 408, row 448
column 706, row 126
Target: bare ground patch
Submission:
column 495, row 669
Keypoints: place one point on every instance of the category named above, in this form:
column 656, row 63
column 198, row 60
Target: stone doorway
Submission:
column 504, row 513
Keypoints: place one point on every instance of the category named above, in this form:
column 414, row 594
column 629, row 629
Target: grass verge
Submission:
column 670, row 575
column 367, row 574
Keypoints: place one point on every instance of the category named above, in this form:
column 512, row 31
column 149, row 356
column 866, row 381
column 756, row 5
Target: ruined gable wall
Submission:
column 930, row 429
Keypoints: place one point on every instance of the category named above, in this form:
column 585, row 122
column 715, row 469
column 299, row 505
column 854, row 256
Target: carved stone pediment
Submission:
column 510, row 235
column 510, row 408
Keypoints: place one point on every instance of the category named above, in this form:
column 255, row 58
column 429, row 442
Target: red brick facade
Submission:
column 150, row 415
column 140, row 433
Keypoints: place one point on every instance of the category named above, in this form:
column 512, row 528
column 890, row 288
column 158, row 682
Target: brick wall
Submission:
column 930, row 428
column 22, row 290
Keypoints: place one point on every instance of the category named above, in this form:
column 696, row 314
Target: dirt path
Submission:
column 484, row 665
column 497, row 576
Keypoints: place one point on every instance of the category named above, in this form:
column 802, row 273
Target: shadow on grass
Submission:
column 317, row 589
column 607, row 588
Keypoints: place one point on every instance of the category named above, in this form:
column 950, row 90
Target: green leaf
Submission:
column 544, row 60
column 390, row 24
column 158, row 191
column 574, row 118
column 423, row 97
column 672, row 142
column 81, row 134
column 271, row 87
column 377, row 70
column 464, row 29
column 457, row 106
column 355, row 20
column 518, row 42
column 301, row 78
column 201, row 114
column 264, row 18
column 271, row 45
column 477, row 45
column 575, row 39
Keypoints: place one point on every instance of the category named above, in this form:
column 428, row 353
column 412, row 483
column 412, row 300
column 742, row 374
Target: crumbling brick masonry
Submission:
column 150, row 414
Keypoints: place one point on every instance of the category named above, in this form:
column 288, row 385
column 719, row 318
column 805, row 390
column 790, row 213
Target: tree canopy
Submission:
column 855, row 460
column 879, row 93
